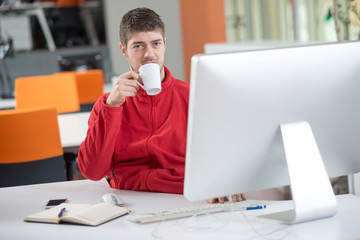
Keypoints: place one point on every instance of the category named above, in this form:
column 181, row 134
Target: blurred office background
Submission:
column 191, row 27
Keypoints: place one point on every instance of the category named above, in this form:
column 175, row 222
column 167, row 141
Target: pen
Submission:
column 60, row 214
column 255, row 207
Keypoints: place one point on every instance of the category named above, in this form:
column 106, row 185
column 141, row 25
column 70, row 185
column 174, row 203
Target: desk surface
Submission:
column 18, row 202
column 73, row 128
column 8, row 103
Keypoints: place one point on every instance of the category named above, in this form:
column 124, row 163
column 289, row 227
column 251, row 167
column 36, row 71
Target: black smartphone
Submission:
column 54, row 202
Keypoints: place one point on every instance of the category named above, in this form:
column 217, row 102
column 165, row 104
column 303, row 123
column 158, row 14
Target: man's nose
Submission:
column 149, row 52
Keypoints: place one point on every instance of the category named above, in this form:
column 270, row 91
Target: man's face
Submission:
column 145, row 47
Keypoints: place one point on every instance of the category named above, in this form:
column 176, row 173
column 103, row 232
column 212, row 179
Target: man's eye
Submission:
column 137, row 46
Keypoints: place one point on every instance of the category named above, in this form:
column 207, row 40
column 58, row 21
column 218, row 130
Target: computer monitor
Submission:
column 243, row 104
column 80, row 61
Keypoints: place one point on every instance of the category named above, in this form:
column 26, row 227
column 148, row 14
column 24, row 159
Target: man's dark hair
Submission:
column 140, row 20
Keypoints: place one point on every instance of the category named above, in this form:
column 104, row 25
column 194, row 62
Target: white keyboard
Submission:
column 191, row 211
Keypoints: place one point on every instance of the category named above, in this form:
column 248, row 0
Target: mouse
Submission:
column 112, row 198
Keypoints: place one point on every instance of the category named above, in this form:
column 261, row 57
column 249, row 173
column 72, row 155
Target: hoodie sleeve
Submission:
column 96, row 151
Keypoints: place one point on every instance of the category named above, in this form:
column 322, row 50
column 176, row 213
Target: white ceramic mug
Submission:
column 150, row 76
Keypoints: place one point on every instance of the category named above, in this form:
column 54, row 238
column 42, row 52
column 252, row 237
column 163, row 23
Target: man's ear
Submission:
column 165, row 42
column 123, row 50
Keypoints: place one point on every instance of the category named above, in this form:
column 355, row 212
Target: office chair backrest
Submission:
column 30, row 147
column 47, row 90
column 69, row 3
column 90, row 84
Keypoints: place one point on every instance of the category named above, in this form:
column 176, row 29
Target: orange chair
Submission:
column 90, row 85
column 30, row 147
column 69, row 3
column 47, row 90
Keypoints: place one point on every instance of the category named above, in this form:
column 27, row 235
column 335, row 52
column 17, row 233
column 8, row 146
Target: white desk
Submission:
column 73, row 127
column 18, row 202
column 8, row 103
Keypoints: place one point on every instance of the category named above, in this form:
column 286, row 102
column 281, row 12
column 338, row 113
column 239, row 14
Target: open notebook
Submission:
column 85, row 214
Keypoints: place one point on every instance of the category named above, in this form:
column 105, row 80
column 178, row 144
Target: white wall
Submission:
column 169, row 11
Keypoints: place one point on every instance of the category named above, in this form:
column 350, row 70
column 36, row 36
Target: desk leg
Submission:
column 5, row 75
column 69, row 161
column 39, row 13
column 2, row 81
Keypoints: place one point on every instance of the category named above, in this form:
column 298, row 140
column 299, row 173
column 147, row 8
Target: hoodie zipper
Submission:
column 152, row 123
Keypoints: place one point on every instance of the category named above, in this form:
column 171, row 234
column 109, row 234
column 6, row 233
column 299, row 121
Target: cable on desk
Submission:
column 196, row 224
column 266, row 235
column 155, row 234
column 192, row 224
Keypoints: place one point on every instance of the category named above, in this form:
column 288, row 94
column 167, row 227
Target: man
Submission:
column 136, row 140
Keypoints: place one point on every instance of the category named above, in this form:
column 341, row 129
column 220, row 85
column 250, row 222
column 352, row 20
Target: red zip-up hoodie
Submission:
column 141, row 144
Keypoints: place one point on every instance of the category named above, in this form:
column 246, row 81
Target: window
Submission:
column 289, row 20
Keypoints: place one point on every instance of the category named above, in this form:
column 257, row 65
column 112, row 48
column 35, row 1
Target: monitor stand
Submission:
column 311, row 191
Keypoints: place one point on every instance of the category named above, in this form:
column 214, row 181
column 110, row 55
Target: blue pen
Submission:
column 255, row 207
column 61, row 213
